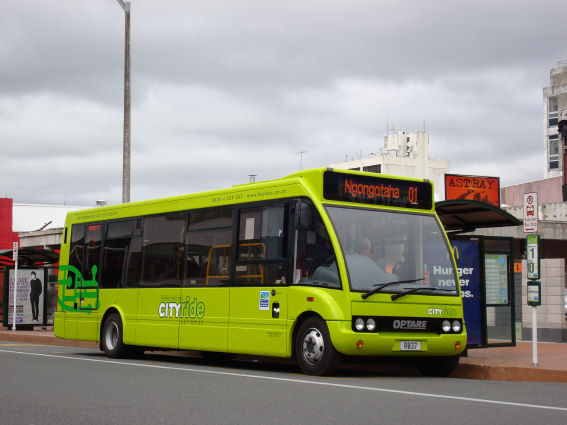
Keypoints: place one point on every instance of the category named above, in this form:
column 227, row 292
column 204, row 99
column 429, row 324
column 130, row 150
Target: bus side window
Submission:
column 76, row 253
column 315, row 258
column 91, row 259
column 162, row 251
column 263, row 246
column 208, row 247
column 115, row 253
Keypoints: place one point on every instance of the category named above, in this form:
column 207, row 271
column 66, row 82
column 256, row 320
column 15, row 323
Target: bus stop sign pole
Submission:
column 15, row 258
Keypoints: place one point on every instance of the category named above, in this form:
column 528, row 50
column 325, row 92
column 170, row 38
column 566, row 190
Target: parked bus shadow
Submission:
column 350, row 368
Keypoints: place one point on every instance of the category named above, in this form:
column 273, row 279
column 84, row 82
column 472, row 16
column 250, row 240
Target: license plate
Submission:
column 410, row 345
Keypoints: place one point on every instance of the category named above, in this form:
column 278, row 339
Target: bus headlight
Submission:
column 457, row 326
column 371, row 324
column 359, row 324
column 446, row 326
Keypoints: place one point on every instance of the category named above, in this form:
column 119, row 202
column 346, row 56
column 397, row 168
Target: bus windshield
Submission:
column 394, row 252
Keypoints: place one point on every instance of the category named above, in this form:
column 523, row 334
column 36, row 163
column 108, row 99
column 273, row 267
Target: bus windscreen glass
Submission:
column 383, row 247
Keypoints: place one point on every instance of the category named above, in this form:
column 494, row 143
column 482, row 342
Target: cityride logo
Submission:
column 182, row 310
column 370, row 191
column 442, row 311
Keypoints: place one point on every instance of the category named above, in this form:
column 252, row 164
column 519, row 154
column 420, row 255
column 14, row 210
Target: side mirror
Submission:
column 304, row 216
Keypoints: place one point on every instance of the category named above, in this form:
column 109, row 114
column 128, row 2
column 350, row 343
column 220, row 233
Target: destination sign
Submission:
column 377, row 191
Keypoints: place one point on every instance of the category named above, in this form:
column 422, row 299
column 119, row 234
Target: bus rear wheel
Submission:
column 437, row 366
column 314, row 351
column 112, row 342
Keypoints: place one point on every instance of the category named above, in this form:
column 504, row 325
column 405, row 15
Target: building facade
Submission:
column 404, row 154
column 554, row 102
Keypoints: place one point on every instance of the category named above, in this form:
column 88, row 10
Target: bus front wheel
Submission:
column 314, row 351
column 112, row 343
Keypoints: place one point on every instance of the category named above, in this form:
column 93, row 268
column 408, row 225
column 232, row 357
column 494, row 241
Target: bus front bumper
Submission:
column 351, row 343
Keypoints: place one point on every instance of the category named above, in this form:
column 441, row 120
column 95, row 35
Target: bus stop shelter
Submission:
column 486, row 270
column 33, row 264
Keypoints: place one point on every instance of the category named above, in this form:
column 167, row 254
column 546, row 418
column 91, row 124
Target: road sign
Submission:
column 532, row 256
column 534, row 293
column 15, row 251
column 530, row 212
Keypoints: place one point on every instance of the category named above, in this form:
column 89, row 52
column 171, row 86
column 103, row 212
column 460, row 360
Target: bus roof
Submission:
column 323, row 184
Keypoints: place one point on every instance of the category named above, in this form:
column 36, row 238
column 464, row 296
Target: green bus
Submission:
column 317, row 266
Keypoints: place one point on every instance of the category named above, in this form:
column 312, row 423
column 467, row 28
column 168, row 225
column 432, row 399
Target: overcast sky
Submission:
column 226, row 88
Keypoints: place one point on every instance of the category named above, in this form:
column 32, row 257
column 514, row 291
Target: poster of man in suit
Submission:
column 29, row 296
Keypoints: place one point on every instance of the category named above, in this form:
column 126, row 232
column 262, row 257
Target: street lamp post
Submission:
column 300, row 153
column 126, row 147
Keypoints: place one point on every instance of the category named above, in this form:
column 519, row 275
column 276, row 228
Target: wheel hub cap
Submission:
column 313, row 346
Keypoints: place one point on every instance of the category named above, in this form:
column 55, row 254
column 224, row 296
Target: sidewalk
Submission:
column 496, row 363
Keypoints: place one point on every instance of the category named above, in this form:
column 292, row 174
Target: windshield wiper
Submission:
column 421, row 288
column 380, row 286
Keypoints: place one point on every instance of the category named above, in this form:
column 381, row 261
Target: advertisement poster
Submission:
column 474, row 188
column 467, row 256
column 29, row 296
column 496, row 278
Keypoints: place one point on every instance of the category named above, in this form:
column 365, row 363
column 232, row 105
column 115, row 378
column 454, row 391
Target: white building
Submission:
column 40, row 225
column 554, row 102
column 404, row 154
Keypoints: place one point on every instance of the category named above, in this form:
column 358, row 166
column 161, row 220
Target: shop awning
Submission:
column 29, row 257
column 462, row 215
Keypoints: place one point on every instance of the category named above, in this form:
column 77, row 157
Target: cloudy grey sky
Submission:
column 226, row 88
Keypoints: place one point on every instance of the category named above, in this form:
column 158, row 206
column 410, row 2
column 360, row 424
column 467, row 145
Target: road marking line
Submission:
column 295, row 381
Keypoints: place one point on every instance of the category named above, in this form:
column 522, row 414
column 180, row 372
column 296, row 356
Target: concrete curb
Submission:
column 508, row 373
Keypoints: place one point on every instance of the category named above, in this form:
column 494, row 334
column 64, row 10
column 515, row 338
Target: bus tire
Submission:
column 437, row 366
column 314, row 351
column 111, row 340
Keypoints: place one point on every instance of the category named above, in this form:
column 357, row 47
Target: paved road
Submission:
column 69, row 385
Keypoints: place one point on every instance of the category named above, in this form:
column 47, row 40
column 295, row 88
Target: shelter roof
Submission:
column 463, row 215
column 29, row 257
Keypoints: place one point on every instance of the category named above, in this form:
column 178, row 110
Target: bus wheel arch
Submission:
column 112, row 336
column 312, row 346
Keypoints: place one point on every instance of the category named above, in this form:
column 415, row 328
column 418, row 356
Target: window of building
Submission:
column 553, row 152
column 162, row 250
column 373, row 168
column 208, row 247
column 553, row 111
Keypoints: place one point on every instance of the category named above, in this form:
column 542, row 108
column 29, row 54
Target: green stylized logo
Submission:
column 76, row 293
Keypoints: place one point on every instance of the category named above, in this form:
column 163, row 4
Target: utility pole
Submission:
column 126, row 147
column 300, row 153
